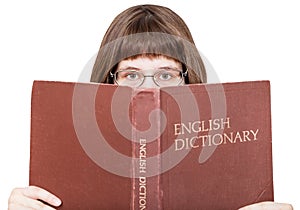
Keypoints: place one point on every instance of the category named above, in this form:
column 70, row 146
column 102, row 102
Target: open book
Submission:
column 199, row 146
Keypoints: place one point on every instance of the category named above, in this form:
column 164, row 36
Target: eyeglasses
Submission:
column 162, row 78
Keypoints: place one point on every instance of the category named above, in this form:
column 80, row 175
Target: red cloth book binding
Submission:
column 198, row 146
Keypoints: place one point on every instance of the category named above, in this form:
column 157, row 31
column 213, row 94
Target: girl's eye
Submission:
column 165, row 76
column 168, row 75
column 127, row 75
column 132, row 76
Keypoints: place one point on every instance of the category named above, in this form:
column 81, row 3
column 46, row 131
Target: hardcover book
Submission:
column 198, row 146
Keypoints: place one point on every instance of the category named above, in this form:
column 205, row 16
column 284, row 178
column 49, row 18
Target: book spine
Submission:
column 146, row 148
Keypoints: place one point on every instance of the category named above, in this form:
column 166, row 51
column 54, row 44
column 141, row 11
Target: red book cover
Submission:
column 199, row 146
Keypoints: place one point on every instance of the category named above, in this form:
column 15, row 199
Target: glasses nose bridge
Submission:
column 149, row 81
column 148, row 75
column 149, row 72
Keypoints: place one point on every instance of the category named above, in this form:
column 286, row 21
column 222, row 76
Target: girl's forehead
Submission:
column 149, row 60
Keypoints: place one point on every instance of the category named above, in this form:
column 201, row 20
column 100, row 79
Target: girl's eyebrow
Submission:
column 129, row 68
column 169, row 67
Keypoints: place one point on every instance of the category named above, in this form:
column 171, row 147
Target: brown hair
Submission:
column 148, row 29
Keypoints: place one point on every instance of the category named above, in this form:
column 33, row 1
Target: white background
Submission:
column 242, row 39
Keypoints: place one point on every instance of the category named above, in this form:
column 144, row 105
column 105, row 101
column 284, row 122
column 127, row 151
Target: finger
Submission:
column 29, row 206
column 38, row 193
column 35, row 204
column 15, row 206
column 18, row 201
column 268, row 205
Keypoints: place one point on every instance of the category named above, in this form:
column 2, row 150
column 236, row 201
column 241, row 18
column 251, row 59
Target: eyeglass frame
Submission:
column 183, row 73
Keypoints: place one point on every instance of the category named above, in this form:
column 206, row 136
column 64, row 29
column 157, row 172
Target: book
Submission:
column 197, row 146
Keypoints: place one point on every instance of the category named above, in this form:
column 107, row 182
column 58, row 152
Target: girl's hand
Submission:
column 268, row 205
column 32, row 197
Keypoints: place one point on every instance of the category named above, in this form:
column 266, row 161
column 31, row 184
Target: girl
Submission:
column 145, row 46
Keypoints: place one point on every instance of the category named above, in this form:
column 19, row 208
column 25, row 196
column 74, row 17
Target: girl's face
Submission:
column 149, row 72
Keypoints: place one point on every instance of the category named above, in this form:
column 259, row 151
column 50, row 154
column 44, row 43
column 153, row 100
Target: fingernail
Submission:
column 56, row 201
